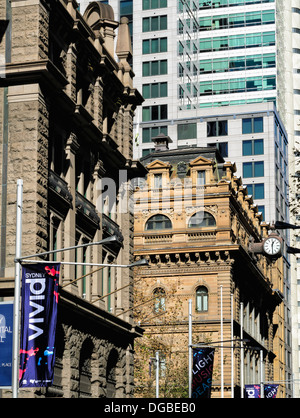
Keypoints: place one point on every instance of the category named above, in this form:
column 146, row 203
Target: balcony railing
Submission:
column 60, row 195
column 110, row 228
column 202, row 235
column 185, row 236
column 87, row 209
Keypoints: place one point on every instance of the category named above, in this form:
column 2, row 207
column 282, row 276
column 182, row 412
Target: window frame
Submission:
column 159, row 296
column 201, row 299
column 254, row 169
column 208, row 220
column 161, row 221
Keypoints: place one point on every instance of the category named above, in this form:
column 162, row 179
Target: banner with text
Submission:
column 203, row 361
column 270, row 391
column 252, row 391
column 6, row 343
column 38, row 324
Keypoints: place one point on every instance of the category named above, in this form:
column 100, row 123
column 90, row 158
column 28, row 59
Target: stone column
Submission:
column 70, row 221
column 96, row 250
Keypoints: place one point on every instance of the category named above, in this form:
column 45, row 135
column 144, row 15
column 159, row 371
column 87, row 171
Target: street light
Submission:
column 18, row 260
column 17, row 293
column 292, row 250
column 111, row 239
column 285, row 225
column 141, row 262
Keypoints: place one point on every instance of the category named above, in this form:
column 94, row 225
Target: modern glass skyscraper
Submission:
column 192, row 55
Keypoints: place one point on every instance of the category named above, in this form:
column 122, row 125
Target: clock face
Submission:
column 272, row 246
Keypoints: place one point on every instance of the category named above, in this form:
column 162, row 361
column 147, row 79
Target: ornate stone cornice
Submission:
column 187, row 262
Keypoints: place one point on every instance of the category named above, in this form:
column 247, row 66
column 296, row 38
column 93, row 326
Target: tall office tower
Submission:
column 196, row 55
column 194, row 58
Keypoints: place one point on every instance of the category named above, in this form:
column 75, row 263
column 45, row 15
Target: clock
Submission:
column 272, row 246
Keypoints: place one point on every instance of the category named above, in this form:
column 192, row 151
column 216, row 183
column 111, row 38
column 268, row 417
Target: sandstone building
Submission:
column 196, row 225
column 67, row 103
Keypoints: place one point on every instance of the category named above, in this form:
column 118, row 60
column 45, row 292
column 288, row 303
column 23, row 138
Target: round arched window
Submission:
column 158, row 222
column 202, row 220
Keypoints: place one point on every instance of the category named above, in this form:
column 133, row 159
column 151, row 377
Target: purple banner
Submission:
column 270, row 391
column 38, row 324
column 203, row 362
column 252, row 391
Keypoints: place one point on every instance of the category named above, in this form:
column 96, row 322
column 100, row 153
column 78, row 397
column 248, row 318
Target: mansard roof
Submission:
column 188, row 154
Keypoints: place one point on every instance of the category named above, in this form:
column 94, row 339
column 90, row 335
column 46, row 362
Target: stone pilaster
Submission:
column 28, row 160
column 30, row 26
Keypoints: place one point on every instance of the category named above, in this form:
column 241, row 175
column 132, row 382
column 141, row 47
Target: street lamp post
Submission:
column 17, row 292
column 157, row 369
column 190, row 347
column 261, row 373
column 157, row 373
column 18, row 260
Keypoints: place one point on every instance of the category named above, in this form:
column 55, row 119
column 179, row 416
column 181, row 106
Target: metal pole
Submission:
column 242, row 349
column 232, row 356
column 190, row 348
column 157, row 373
column 113, row 238
column 261, row 374
column 17, row 292
column 222, row 350
column 86, row 264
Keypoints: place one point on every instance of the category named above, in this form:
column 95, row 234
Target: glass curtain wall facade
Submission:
column 192, row 55
column 232, row 59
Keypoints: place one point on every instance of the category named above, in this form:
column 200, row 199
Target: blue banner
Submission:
column 270, row 391
column 203, row 362
column 252, row 391
column 38, row 324
column 6, row 343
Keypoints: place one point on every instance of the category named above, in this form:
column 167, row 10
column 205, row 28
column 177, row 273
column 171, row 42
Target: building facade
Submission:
column 194, row 57
column 195, row 223
column 67, row 109
column 253, row 137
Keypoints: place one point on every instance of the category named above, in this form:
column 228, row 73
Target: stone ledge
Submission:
column 33, row 71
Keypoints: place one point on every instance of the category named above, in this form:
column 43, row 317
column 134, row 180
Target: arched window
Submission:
column 160, row 300
column 85, row 372
column 158, row 222
column 111, row 380
column 202, row 220
column 201, row 299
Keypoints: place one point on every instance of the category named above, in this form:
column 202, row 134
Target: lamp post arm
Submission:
column 113, row 238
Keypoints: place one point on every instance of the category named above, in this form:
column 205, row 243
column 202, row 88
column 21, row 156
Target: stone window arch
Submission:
column 158, row 222
column 201, row 220
column 111, row 377
column 85, row 369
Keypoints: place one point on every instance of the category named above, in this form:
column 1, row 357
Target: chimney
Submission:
column 161, row 142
